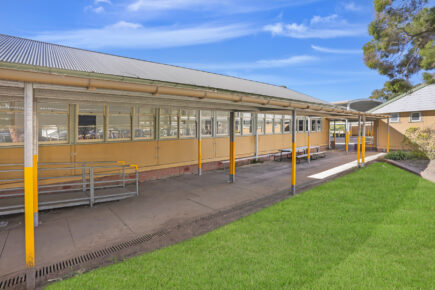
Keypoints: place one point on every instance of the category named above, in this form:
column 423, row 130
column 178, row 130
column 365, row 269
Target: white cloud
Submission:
column 337, row 51
column 102, row 1
column 133, row 35
column 351, row 6
column 98, row 9
column 320, row 27
column 228, row 6
column 326, row 19
column 259, row 64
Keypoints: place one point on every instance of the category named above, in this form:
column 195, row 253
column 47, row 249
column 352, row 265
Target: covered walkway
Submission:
column 161, row 204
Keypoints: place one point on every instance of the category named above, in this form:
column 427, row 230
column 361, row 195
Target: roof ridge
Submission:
column 158, row 63
column 396, row 98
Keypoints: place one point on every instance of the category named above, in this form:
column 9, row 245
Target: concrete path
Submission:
column 65, row 233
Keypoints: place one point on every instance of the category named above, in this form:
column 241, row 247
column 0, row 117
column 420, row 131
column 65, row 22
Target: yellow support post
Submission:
column 35, row 189
column 363, row 149
column 29, row 223
column 358, row 150
column 232, row 149
column 293, row 181
column 309, row 141
column 199, row 157
column 388, row 135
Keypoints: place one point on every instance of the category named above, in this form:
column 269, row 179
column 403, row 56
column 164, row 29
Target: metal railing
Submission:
column 75, row 183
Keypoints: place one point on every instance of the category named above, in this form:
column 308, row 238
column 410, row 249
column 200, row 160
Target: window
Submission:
column 90, row 122
column 316, row 125
column 300, row 124
column 415, row 117
column 260, row 124
column 287, row 124
column 144, row 123
column 11, row 122
column 395, row 118
column 52, row 122
column 119, row 122
column 269, row 124
column 247, row 124
column 222, row 123
column 187, row 123
column 277, row 124
column 206, row 123
column 168, row 123
column 237, row 123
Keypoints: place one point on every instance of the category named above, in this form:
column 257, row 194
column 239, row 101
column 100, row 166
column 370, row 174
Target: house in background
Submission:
column 414, row 109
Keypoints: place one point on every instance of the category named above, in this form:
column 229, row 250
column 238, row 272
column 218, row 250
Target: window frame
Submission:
column 9, row 144
column 171, row 110
column 195, row 114
column 394, row 120
column 67, row 113
column 280, row 123
column 76, row 124
column 211, row 118
column 215, row 124
column 266, row 118
column 251, row 123
column 420, row 117
column 136, row 117
column 261, row 121
column 108, row 114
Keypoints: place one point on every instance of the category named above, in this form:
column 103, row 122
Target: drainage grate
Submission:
column 40, row 273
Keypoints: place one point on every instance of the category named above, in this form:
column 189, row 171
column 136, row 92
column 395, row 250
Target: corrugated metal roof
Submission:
column 421, row 99
column 30, row 52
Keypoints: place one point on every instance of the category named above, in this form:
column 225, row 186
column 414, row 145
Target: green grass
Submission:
column 374, row 228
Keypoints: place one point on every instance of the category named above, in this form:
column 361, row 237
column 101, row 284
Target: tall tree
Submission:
column 402, row 45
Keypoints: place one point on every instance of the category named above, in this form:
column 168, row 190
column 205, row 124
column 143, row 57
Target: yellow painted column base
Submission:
column 28, row 217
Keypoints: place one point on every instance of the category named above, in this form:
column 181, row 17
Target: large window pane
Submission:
column 11, row 122
column 260, row 124
column 53, row 122
column 237, row 123
column 287, row 124
column 222, row 123
column 269, row 123
column 168, row 123
column 247, row 124
column 206, row 123
column 119, row 122
column 300, row 124
column 90, row 122
column 187, row 123
column 277, row 124
column 145, row 123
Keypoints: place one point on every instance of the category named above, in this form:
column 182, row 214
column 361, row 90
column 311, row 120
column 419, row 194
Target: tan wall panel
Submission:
column 11, row 155
column 397, row 130
column 177, row 151
column 245, row 146
column 208, row 148
column 222, row 147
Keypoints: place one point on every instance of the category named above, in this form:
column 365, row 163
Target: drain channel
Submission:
column 18, row 279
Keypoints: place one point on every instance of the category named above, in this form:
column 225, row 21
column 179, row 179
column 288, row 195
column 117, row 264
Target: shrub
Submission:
column 405, row 155
column 422, row 141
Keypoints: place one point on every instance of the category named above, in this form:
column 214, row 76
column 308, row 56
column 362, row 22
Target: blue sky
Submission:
column 311, row 46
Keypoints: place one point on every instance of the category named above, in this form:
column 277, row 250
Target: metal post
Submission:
column 35, row 164
column 199, row 144
column 359, row 141
column 28, row 176
column 255, row 127
column 137, row 181
column 346, row 135
column 388, row 135
column 123, row 176
column 363, row 149
column 84, row 176
column 91, row 186
column 293, row 184
column 309, row 140
column 232, row 149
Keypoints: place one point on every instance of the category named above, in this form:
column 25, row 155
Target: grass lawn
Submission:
column 374, row 228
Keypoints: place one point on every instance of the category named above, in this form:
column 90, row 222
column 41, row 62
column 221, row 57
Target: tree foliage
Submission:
column 403, row 43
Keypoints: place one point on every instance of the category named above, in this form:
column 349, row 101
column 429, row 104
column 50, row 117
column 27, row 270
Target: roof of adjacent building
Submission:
column 360, row 105
column 21, row 51
column 421, row 98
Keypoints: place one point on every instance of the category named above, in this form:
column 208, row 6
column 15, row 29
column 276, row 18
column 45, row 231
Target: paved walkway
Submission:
column 68, row 232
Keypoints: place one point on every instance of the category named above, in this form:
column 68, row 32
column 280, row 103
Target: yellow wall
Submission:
column 397, row 130
column 151, row 155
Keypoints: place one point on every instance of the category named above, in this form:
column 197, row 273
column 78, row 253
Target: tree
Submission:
column 402, row 45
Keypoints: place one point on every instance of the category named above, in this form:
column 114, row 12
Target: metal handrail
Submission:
column 90, row 180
